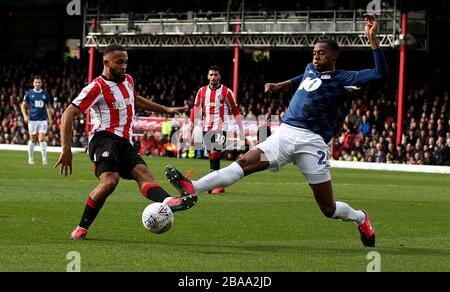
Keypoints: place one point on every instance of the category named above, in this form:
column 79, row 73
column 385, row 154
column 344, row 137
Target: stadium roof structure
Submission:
column 245, row 29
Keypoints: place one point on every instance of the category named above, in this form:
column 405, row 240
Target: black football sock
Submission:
column 215, row 164
column 154, row 192
column 90, row 213
column 214, row 161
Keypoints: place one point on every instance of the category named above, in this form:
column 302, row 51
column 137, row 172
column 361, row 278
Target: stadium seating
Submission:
column 367, row 131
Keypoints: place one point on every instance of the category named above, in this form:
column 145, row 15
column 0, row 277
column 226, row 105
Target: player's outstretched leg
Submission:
column 217, row 179
column 366, row 231
column 182, row 203
column 156, row 193
column 183, row 185
column 250, row 163
column 339, row 210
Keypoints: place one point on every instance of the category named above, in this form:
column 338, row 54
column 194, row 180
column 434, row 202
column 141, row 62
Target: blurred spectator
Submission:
column 365, row 126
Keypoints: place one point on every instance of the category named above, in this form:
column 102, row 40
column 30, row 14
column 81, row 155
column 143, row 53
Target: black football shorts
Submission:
column 111, row 153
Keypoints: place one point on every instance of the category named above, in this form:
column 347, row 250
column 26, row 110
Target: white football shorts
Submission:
column 35, row 127
column 300, row 146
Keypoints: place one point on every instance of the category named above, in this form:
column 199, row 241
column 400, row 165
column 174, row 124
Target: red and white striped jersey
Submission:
column 186, row 131
column 111, row 106
column 215, row 104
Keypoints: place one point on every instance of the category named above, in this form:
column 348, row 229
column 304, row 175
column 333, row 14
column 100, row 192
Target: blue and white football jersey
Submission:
column 319, row 95
column 37, row 103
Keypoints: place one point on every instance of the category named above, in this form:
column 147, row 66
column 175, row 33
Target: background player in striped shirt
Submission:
column 212, row 105
column 306, row 129
column 111, row 99
column 37, row 112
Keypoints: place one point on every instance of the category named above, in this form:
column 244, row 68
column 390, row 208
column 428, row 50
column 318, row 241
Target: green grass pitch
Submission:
column 267, row 222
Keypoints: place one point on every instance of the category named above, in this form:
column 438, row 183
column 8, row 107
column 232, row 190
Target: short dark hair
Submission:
column 38, row 77
column 331, row 44
column 112, row 48
column 214, row 68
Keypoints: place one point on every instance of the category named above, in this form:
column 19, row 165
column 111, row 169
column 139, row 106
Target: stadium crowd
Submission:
column 367, row 131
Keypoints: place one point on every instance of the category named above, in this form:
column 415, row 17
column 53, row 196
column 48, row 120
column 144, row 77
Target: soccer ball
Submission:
column 157, row 218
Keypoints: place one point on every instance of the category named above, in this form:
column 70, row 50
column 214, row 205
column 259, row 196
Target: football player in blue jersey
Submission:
column 37, row 112
column 306, row 129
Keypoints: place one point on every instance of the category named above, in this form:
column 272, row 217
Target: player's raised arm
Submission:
column 381, row 70
column 371, row 30
column 145, row 104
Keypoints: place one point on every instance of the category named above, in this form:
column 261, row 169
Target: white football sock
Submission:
column 30, row 150
column 347, row 213
column 43, row 150
column 220, row 178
